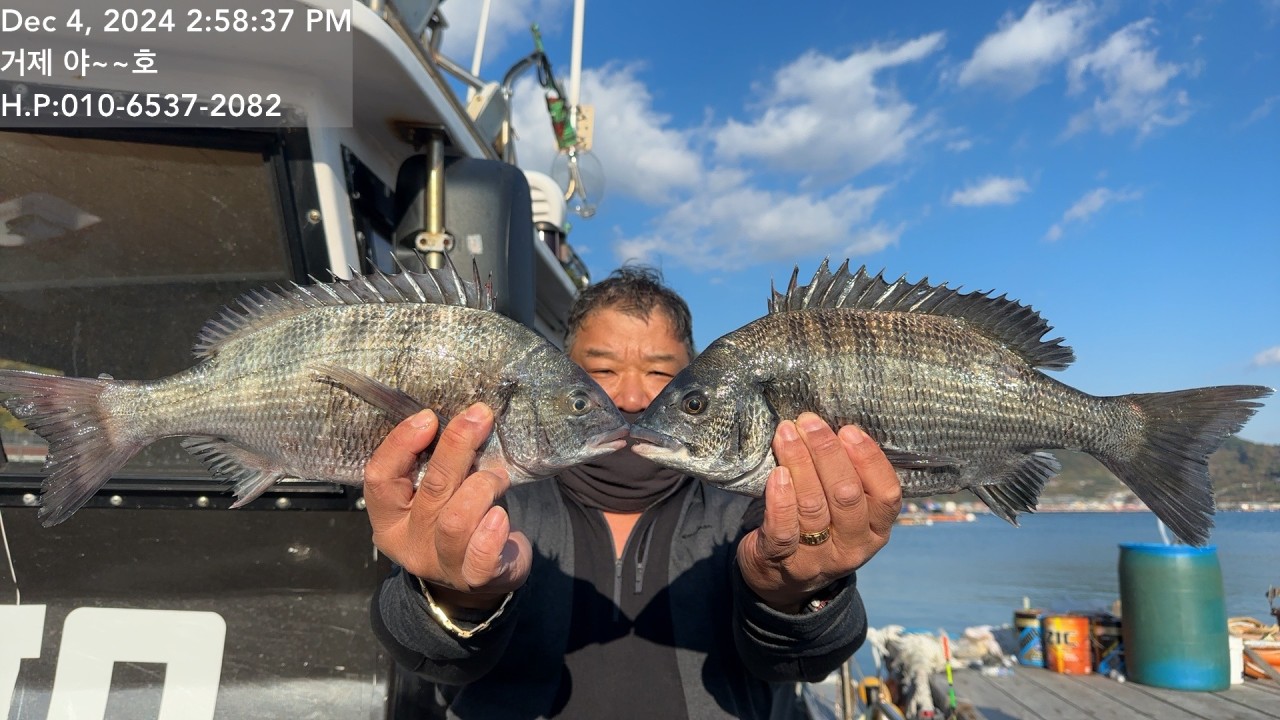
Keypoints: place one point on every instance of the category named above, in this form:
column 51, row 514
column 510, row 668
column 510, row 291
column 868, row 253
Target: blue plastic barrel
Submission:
column 1175, row 617
column 1030, row 642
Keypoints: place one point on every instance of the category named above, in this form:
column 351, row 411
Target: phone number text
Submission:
column 107, row 105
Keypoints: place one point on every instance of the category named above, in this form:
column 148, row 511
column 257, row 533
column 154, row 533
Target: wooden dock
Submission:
column 1032, row 694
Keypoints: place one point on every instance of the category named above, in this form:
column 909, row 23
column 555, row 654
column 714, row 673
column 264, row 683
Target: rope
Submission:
column 8, row 554
column 914, row 656
column 1252, row 629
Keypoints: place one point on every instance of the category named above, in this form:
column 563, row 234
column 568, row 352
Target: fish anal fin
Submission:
column 250, row 474
column 1018, row 490
column 395, row 403
column 998, row 506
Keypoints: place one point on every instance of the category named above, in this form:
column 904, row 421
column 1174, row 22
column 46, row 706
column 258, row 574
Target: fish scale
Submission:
column 306, row 382
column 949, row 384
column 963, row 400
column 276, row 403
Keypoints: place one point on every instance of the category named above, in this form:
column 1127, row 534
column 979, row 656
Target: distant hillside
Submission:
column 1246, row 472
column 1242, row 471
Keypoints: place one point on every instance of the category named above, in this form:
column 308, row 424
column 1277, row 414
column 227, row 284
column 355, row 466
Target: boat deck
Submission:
column 1031, row 694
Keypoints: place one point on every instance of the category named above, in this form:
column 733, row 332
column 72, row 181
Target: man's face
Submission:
column 632, row 358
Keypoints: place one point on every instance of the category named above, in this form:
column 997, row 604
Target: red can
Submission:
column 1066, row 644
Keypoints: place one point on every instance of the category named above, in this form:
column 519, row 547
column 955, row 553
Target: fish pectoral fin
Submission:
column 1018, row 489
column 396, row 403
column 905, row 460
column 250, row 474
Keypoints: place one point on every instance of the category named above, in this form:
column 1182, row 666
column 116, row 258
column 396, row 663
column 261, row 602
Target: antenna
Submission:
column 479, row 51
column 575, row 60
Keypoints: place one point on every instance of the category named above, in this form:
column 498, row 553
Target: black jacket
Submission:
column 737, row 657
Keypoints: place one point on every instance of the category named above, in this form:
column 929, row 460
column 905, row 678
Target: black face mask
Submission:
column 621, row 481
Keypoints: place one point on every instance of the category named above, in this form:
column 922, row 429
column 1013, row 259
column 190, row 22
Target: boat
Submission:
column 948, row 512
column 952, row 517
column 915, row 518
column 280, row 157
column 1262, row 644
column 1262, row 659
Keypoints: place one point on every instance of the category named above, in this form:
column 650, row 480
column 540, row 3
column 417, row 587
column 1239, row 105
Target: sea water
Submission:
column 956, row 575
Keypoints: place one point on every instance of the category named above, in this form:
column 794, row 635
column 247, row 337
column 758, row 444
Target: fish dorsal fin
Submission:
column 262, row 307
column 1017, row 326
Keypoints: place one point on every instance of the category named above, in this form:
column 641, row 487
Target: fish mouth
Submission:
column 651, row 444
column 610, row 441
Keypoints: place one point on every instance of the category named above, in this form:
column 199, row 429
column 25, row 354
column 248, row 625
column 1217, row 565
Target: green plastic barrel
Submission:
column 1175, row 617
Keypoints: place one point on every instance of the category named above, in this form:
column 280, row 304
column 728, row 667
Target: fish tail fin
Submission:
column 1166, row 464
column 85, row 448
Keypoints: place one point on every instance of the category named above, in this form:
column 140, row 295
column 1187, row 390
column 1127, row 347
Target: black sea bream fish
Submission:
column 947, row 384
column 305, row 382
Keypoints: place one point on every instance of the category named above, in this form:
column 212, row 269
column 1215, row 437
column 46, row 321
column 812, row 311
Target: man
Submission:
column 621, row 589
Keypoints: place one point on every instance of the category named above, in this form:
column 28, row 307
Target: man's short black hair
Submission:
column 635, row 290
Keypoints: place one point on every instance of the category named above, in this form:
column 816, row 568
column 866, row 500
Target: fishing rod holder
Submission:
column 420, row 198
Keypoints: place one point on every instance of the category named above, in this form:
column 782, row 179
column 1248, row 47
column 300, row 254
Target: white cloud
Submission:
column 730, row 227
column 508, row 26
column 1135, row 84
column 959, row 145
column 721, row 211
column 828, row 116
column 1017, row 55
column 1270, row 356
column 1272, row 9
column 991, row 191
column 1087, row 206
column 1262, row 111
column 641, row 154
column 868, row 240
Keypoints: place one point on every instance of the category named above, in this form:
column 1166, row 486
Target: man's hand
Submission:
column 822, row 481
column 449, row 532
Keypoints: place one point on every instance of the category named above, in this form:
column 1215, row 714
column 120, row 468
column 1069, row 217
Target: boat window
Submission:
column 115, row 248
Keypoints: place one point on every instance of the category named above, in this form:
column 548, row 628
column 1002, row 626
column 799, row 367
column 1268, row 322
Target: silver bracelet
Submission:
column 441, row 617
column 820, row 600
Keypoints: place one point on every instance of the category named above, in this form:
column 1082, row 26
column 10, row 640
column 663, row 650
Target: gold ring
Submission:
column 816, row 538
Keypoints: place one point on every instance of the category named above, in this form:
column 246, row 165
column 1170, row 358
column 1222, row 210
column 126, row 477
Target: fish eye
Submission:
column 694, row 402
column 579, row 403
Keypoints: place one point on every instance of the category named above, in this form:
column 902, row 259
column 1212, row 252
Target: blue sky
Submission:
column 1115, row 165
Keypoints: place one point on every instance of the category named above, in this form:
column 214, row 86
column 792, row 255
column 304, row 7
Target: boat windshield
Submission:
column 115, row 248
